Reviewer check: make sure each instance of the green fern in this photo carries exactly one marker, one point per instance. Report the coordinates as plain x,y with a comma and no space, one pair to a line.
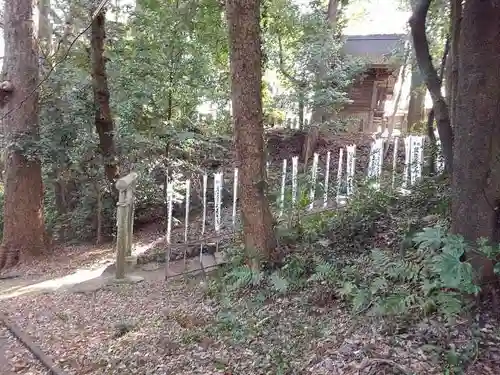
295,268
381,260
379,284
430,238
278,283
394,304
242,277
421,280
395,268
449,303
348,290
403,270
325,272
361,299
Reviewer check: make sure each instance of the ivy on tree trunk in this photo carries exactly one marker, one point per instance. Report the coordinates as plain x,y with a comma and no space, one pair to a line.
103,119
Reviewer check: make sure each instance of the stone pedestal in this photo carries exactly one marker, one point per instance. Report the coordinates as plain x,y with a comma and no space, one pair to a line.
128,279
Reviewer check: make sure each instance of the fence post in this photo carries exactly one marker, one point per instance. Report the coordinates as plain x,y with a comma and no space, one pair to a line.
124,221
130,199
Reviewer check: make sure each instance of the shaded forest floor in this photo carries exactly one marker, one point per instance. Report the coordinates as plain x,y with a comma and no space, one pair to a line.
185,327
296,321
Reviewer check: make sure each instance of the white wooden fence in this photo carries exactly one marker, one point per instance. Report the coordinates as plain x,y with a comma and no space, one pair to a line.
344,186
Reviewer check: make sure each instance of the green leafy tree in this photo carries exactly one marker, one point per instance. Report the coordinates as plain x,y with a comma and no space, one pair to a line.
307,54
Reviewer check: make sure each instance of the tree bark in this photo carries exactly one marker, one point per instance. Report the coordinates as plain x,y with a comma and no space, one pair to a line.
456,19
432,141
447,85
332,13
24,229
424,60
476,175
243,18
103,118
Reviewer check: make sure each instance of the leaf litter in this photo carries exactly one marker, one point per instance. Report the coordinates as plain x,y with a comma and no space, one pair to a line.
156,327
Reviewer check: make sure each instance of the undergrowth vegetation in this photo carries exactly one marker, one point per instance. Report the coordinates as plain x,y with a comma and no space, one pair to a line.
388,258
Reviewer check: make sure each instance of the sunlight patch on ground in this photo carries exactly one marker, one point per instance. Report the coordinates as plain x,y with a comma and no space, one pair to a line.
142,247
54,284
77,277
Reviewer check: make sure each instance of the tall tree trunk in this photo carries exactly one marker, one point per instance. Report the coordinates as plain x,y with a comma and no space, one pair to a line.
58,174
24,229
476,172
243,18
456,19
103,118
424,60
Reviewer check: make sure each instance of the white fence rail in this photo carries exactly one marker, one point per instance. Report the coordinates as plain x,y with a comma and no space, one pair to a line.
291,190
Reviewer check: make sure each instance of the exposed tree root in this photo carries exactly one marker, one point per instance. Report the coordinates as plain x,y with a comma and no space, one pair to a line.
8,258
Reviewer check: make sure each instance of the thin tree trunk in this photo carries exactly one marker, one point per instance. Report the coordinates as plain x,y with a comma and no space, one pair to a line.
424,60
246,76
24,229
432,141
447,86
59,172
332,13
398,97
476,175
320,110
430,118
103,118
44,28
417,97
301,111
300,86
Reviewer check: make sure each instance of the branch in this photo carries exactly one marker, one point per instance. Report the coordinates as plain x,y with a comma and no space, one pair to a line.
58,62
282,66
432,80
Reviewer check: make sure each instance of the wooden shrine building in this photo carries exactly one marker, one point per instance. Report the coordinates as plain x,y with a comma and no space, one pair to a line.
369,92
